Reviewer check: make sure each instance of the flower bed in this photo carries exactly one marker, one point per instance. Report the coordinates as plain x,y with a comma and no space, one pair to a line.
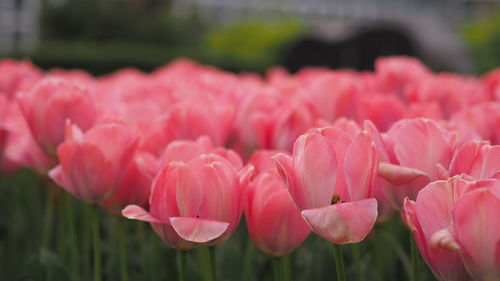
190,149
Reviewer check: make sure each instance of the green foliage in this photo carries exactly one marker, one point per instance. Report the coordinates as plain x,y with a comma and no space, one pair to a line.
383,254
251,41
484,39
148,21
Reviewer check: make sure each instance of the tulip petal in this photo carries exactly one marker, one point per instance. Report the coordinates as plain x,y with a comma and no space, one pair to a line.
361,167
198,230
343,223
477,232
137,213
315,167
477,159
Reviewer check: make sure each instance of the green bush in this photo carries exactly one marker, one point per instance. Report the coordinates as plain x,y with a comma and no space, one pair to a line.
484,39
254,42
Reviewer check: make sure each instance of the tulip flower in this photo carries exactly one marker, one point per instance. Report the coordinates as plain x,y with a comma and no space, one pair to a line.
135,187
331,178
197,117
49,104
283,231
479,122
94,164
419,152
460,218
17,76
193,203
263,162
476,232
430,213
3,127
185,150
21,150
477,159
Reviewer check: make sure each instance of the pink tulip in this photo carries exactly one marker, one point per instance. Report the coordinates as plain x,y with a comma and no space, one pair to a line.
192,118
195,203
452,92
477,159
332,95
20,149
473,231
429,214
135,187
274,221
382,110
49,104
419,151
399,75
3,126
93,165
262,161
476,232
492,81
185,150
253,120
331,178
479,122
17,76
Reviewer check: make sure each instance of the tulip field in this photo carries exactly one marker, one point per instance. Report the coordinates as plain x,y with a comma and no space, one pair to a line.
193,173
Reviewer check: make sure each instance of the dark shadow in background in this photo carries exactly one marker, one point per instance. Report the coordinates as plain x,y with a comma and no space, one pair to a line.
358,52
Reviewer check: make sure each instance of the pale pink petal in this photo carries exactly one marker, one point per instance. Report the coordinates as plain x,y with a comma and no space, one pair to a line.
315,169
137,213
477,231
421,144
189,192
400,182
198,230
477,159
284,164
343,223
361,166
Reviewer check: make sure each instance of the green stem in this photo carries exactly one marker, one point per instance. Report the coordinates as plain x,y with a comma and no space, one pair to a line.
97,244
48,219
70,219
213,263
287,267
181,263
414,259
339,262
356,252
155,252
87,229
247,260
122,248
204,263
277,269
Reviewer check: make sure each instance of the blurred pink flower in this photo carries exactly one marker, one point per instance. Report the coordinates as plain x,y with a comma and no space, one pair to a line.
49,104
94,164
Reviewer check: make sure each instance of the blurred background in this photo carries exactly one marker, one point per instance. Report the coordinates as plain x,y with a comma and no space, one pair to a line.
102,36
